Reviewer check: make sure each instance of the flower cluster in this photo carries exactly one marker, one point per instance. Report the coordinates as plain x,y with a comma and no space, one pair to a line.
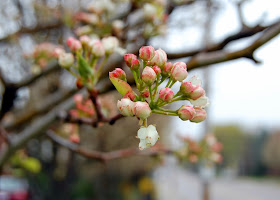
84,107
87,58
42,55
101,18
207,149
148,98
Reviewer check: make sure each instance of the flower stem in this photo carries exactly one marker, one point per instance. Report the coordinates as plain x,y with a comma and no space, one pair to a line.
164,113
99,70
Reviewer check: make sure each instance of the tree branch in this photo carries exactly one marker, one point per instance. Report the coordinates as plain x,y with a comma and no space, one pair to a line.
243,33
204,59
106,156
38,28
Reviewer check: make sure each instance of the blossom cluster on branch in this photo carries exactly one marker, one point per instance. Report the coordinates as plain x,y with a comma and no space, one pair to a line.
149,73
87,58
207,149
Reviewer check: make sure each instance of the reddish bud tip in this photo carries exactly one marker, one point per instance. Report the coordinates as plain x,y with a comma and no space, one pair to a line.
166,94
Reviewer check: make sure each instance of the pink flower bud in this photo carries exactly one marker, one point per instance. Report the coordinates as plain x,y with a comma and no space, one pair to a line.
179,71
142,110
146,52
192,91
126,107
66,60
159,58
148,75
128,58
74,44
135,64
200,115
130,95
75,138
145,94
157,69
57,52
78,98
85,40
97,48
186,112
167,69
118,73
166,94
197,93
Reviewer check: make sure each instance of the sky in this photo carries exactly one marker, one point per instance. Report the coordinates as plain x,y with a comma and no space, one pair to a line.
241,92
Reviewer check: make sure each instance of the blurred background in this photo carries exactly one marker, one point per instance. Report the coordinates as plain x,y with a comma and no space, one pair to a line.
243,115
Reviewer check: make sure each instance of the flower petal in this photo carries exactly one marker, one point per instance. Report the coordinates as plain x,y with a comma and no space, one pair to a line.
142,133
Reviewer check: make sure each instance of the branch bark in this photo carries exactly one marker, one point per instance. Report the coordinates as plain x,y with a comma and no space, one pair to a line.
204,59
105,156
243,33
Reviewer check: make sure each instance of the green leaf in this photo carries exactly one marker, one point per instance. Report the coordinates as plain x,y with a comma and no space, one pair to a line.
122,86
83,67
31,164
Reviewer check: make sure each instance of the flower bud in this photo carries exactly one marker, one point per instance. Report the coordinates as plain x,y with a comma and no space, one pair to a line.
66,60
126,107
148,75
192,91
118,73
57,51
197,93
145,94
85,40
78,98
159,58
150,11
166,94
146,52
110,44
179,71
148,137
167,69
79,83
200,115
128,58
75,138
97,48
157,69
142,110
118,26
135,64
130,95
186,112
74,44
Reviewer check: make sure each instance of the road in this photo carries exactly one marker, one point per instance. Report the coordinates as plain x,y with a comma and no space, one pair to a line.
176,183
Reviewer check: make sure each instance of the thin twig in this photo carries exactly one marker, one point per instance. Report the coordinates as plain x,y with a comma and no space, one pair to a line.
106,156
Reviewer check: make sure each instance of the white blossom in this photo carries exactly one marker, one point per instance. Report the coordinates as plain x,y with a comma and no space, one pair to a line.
148,136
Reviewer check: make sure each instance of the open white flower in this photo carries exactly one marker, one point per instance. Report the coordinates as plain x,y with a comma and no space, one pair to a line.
194,80
148,136
201,102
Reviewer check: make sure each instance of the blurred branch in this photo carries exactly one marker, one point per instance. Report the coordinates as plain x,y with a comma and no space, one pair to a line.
38,126
209,58
11,88
48,104
38,28
66,117
243,33
4,135
106,156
